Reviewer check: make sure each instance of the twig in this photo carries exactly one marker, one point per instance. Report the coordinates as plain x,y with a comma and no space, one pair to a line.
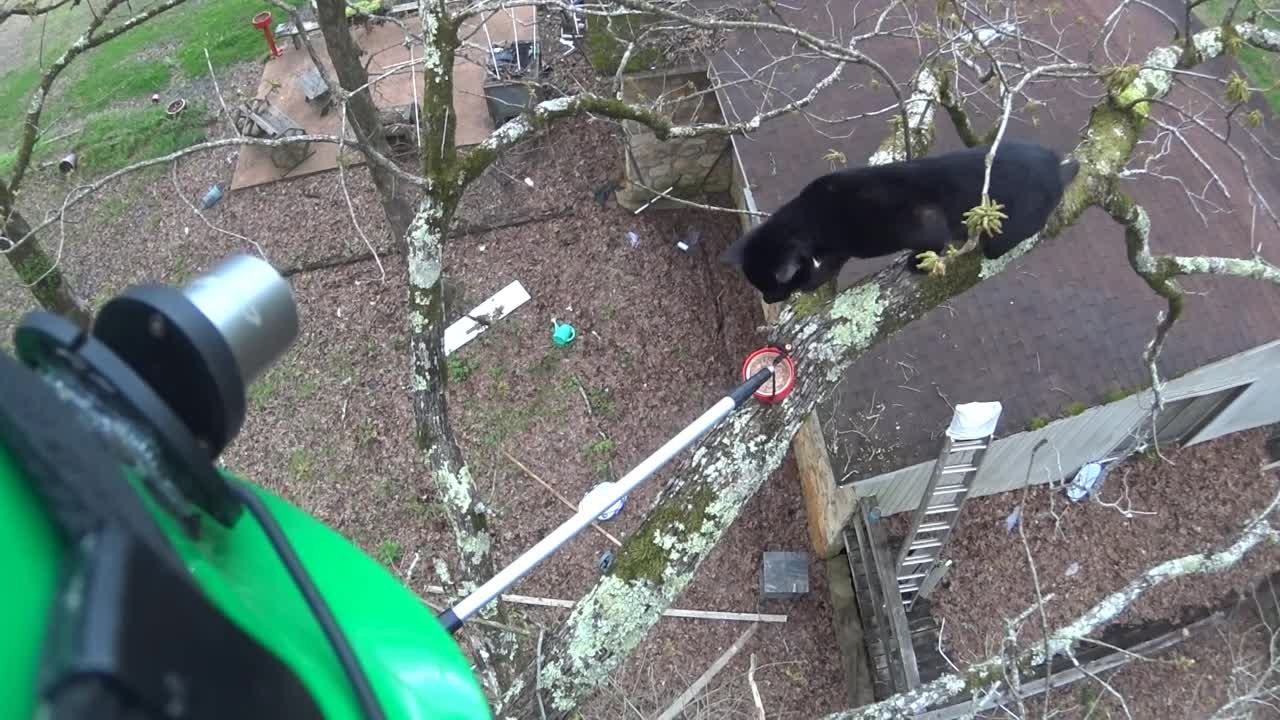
665,195
218,91
559,497
537,690
755,690
178,191
351,208
677,706
658,196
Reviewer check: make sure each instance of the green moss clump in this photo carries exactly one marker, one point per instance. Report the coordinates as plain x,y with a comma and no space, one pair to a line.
806,304
643,558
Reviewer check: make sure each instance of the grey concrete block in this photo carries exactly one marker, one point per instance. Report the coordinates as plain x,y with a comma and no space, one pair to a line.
784,575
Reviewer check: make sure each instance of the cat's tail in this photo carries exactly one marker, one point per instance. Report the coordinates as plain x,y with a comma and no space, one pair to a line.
1067,171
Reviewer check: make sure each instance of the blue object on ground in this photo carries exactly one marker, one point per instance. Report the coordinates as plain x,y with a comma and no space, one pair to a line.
211,198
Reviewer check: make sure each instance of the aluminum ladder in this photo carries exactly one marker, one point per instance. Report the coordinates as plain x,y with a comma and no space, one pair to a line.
963,450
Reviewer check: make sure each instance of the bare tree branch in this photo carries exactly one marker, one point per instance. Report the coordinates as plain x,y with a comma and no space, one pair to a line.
33,10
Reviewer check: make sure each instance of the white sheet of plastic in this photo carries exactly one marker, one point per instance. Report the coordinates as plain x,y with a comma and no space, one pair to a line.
495,308
1085,482
975,420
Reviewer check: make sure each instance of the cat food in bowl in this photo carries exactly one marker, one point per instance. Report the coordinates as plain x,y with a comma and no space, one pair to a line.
777,388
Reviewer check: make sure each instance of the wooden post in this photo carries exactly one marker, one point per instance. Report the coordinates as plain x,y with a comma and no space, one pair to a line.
859,689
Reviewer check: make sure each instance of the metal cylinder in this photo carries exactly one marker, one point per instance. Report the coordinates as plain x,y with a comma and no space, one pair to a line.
253,309
67,164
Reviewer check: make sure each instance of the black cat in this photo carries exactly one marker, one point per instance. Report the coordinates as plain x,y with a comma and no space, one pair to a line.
917,205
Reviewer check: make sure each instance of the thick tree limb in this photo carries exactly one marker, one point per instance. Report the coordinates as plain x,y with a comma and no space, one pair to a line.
352,90
438,451
35,268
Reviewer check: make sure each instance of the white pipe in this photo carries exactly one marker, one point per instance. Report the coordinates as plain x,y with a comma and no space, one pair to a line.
515,39
521,566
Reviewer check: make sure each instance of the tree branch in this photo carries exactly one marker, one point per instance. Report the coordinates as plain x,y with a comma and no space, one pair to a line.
31,11
959,118
1137,235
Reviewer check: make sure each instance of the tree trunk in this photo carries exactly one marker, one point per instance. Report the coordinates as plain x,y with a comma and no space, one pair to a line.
425,242
36,269
361,112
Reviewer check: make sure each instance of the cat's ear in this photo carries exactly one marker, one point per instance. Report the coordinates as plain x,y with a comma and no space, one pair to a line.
736,253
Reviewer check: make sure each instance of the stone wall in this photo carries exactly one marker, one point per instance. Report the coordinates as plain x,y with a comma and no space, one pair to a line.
694,166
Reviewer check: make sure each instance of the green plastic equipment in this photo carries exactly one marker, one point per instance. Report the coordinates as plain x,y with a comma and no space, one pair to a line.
145,583
83,441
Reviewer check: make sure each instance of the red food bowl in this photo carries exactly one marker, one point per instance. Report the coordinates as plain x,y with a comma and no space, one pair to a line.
784,378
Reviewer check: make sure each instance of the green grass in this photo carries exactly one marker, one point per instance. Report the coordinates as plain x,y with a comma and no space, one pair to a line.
1075,408
15,87
389,553
601,402
114,206
116,138
459,369
129,78
366,433
1262,68
261,392
145,60
599,454
301,465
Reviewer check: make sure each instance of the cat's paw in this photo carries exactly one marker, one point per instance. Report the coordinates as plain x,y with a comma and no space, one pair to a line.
931,263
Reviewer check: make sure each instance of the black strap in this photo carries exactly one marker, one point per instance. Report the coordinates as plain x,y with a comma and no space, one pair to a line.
75,474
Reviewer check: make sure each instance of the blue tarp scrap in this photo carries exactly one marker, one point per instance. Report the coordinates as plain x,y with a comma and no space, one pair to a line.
1087,482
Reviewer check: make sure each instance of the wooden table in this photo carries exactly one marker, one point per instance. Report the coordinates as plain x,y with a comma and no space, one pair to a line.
260,119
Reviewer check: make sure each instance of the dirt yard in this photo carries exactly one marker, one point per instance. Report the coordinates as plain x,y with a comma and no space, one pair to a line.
1197,501
661,336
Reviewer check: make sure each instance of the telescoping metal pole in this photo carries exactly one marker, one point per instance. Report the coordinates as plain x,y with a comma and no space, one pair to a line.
453,618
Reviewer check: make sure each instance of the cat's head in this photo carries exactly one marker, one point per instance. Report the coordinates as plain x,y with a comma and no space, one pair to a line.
775,260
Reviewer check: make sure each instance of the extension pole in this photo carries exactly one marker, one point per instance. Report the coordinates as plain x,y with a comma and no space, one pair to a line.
453,618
